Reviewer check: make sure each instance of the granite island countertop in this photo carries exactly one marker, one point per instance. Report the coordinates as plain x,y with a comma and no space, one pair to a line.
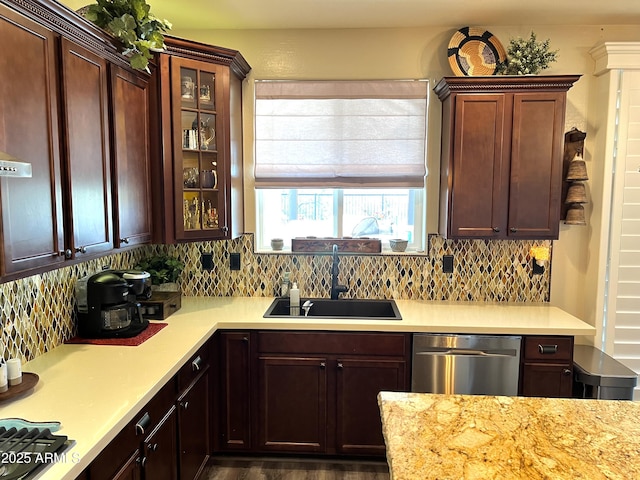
95,390
475,437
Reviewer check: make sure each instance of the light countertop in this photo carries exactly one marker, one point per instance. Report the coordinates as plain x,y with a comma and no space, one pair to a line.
466,437
95,390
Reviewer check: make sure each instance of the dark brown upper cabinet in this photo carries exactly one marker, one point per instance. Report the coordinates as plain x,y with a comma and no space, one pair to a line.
131,158
32,214
198,179
501,157
72,107
89,228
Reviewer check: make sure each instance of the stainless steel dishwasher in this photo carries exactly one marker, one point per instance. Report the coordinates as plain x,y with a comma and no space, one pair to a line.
466,364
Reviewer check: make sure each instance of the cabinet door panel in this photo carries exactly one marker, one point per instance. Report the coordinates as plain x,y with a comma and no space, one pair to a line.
194,434
32,219
479,167
292,404
359,428
89,182
131,169
160,459
547,380
200,149
536,165
235,391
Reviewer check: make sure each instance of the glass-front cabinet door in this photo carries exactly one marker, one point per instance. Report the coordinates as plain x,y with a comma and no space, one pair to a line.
200,156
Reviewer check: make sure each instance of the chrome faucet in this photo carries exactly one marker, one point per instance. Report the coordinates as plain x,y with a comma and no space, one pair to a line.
336,288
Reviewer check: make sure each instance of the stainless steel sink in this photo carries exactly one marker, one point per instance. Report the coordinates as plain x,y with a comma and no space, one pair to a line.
351,308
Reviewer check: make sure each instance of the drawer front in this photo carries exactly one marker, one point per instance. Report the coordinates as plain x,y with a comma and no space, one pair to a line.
339,343
194,367
548,348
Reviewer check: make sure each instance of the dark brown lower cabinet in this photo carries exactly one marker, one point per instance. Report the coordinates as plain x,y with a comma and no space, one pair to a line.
292,404
170,438
317,391
233,392
358,427
547,366
159,460
194,431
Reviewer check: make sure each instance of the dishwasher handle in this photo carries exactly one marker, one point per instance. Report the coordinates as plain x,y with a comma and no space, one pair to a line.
469,352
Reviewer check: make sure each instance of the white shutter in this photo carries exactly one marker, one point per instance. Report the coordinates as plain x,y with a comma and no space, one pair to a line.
624,291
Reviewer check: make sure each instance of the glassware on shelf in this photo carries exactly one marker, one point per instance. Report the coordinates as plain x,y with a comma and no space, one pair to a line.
190,177
191,214
187,88
209,179
207,135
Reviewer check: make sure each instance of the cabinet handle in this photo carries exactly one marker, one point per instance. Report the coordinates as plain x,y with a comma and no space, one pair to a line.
513,229
124,240
143,423
496,229
566,372
548,349
143,462
195,364
184,405
82,249
323,365
340,365
152,447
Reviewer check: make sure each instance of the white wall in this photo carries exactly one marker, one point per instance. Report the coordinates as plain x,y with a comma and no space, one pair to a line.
422,53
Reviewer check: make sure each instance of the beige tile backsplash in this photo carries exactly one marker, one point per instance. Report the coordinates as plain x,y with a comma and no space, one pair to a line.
38,312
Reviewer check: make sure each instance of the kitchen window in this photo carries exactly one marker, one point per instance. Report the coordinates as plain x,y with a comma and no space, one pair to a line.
340,158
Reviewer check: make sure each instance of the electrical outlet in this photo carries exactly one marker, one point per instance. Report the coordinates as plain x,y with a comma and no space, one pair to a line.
447,263
234,261
206,259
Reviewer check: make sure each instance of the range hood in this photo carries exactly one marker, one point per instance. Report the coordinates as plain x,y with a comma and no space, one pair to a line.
12,167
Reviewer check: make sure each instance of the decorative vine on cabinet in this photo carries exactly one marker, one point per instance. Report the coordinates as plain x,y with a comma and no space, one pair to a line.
198,186
501,159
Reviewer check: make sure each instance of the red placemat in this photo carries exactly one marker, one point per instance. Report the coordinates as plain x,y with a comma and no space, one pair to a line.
146,334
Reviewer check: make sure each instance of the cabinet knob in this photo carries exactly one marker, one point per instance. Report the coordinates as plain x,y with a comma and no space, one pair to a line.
245,339
566,372
496,229
225,229
66,253
513,229
82,249
340,365
323,365
124,240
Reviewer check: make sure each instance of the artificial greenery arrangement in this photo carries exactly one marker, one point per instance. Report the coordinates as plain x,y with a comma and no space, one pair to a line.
131,22
526,57
163,268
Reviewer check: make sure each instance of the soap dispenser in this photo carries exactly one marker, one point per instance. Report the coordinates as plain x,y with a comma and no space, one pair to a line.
294,301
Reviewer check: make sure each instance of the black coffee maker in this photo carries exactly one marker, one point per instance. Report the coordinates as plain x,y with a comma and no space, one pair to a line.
108,306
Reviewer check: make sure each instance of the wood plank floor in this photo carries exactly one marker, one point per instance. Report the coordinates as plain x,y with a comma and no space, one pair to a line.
232,468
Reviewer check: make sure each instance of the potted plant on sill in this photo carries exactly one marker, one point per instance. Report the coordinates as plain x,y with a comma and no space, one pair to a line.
139,32
164,270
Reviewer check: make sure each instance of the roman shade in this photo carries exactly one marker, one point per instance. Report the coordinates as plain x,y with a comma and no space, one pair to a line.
340,133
